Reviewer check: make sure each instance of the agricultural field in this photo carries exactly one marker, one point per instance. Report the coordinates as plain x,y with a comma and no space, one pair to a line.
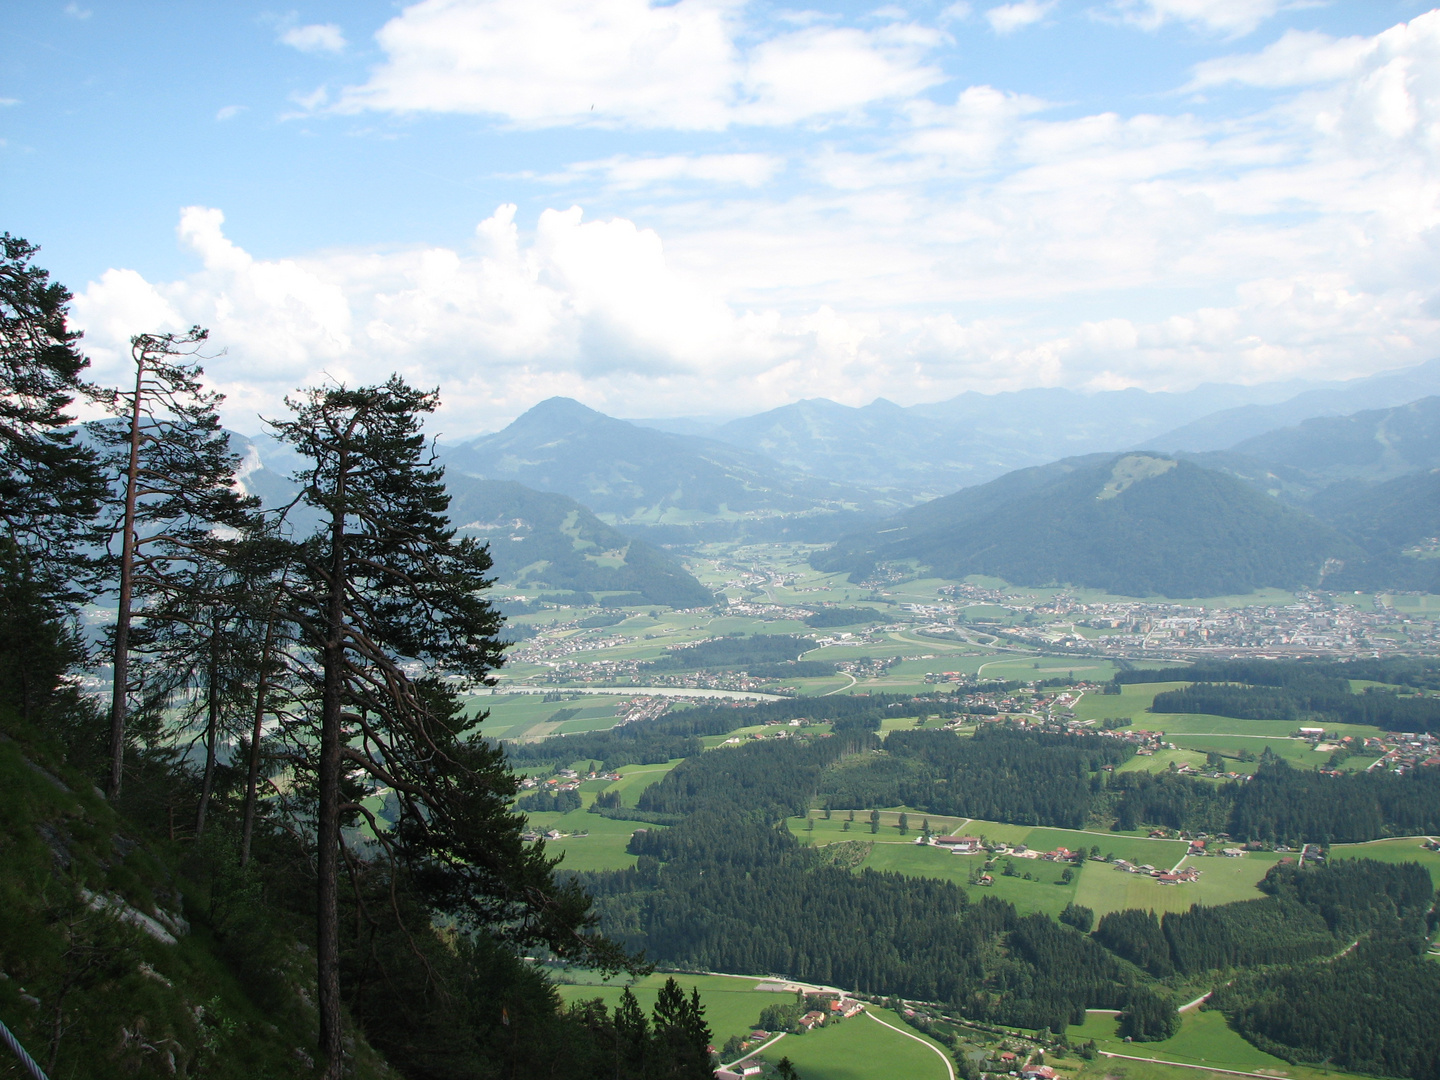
1400,849
530,716
1204,1039
1097,885
863,1048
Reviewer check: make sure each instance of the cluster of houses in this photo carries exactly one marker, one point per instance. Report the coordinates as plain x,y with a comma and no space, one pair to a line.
973,845
1182,876
565,780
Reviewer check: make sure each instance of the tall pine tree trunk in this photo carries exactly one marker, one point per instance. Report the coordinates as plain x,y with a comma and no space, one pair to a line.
252,779
212,724
120,690
327,931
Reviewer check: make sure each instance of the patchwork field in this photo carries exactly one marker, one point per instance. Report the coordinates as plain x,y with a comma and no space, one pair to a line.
1096,885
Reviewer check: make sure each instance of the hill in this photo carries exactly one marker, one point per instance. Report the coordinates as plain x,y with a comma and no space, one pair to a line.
540,538
1133,524
639,477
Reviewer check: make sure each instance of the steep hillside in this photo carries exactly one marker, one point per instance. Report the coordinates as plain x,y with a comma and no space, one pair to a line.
543,538
1133,524
640,477
121,957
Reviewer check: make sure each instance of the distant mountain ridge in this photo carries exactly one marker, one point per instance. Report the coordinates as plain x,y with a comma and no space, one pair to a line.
537,539
640,478
1224,429
1135,524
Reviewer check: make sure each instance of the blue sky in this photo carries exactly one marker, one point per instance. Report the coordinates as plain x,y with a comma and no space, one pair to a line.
714,207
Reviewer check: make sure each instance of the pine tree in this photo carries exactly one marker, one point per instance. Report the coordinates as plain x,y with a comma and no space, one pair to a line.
176,479
384,598
50,484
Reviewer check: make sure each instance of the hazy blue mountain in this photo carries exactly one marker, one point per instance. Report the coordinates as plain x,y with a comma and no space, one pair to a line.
1372,444
1136,524
935,448
540,538
881,445
537,539
1228,427
639,477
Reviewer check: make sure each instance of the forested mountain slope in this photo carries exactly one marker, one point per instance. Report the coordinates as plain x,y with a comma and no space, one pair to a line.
540,538
1133,524
637,477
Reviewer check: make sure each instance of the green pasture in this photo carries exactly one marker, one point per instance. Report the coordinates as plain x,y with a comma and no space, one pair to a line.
1137,849
1132,701
603,849
1097,885
862,1049
529,716
1105,889
1428,604
1044,893
1173,724
1162,759
1204,1038
732,1004
635,779
1402,849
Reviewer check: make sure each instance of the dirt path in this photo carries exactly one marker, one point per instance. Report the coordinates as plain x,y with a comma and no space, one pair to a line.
949,1068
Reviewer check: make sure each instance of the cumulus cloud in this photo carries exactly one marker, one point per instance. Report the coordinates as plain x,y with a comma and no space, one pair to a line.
1007,18
633,63
630,173
1299,58
985,242
314,38
1231,17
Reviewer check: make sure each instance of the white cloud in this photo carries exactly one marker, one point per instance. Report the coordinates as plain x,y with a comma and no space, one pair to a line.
1231,17
633,63
1007,18
979,243
229,112
75,11
7,101
1299,58
317,37
626,173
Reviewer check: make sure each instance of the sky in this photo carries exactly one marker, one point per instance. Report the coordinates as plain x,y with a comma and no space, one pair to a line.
713,207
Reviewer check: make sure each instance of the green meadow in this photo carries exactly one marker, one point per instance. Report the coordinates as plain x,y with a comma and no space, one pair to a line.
861,1048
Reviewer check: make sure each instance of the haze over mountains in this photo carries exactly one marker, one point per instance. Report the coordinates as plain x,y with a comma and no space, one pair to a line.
573,499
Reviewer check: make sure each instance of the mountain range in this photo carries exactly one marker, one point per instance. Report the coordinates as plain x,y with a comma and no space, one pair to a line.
573,499
667,485
933,449
1136,524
